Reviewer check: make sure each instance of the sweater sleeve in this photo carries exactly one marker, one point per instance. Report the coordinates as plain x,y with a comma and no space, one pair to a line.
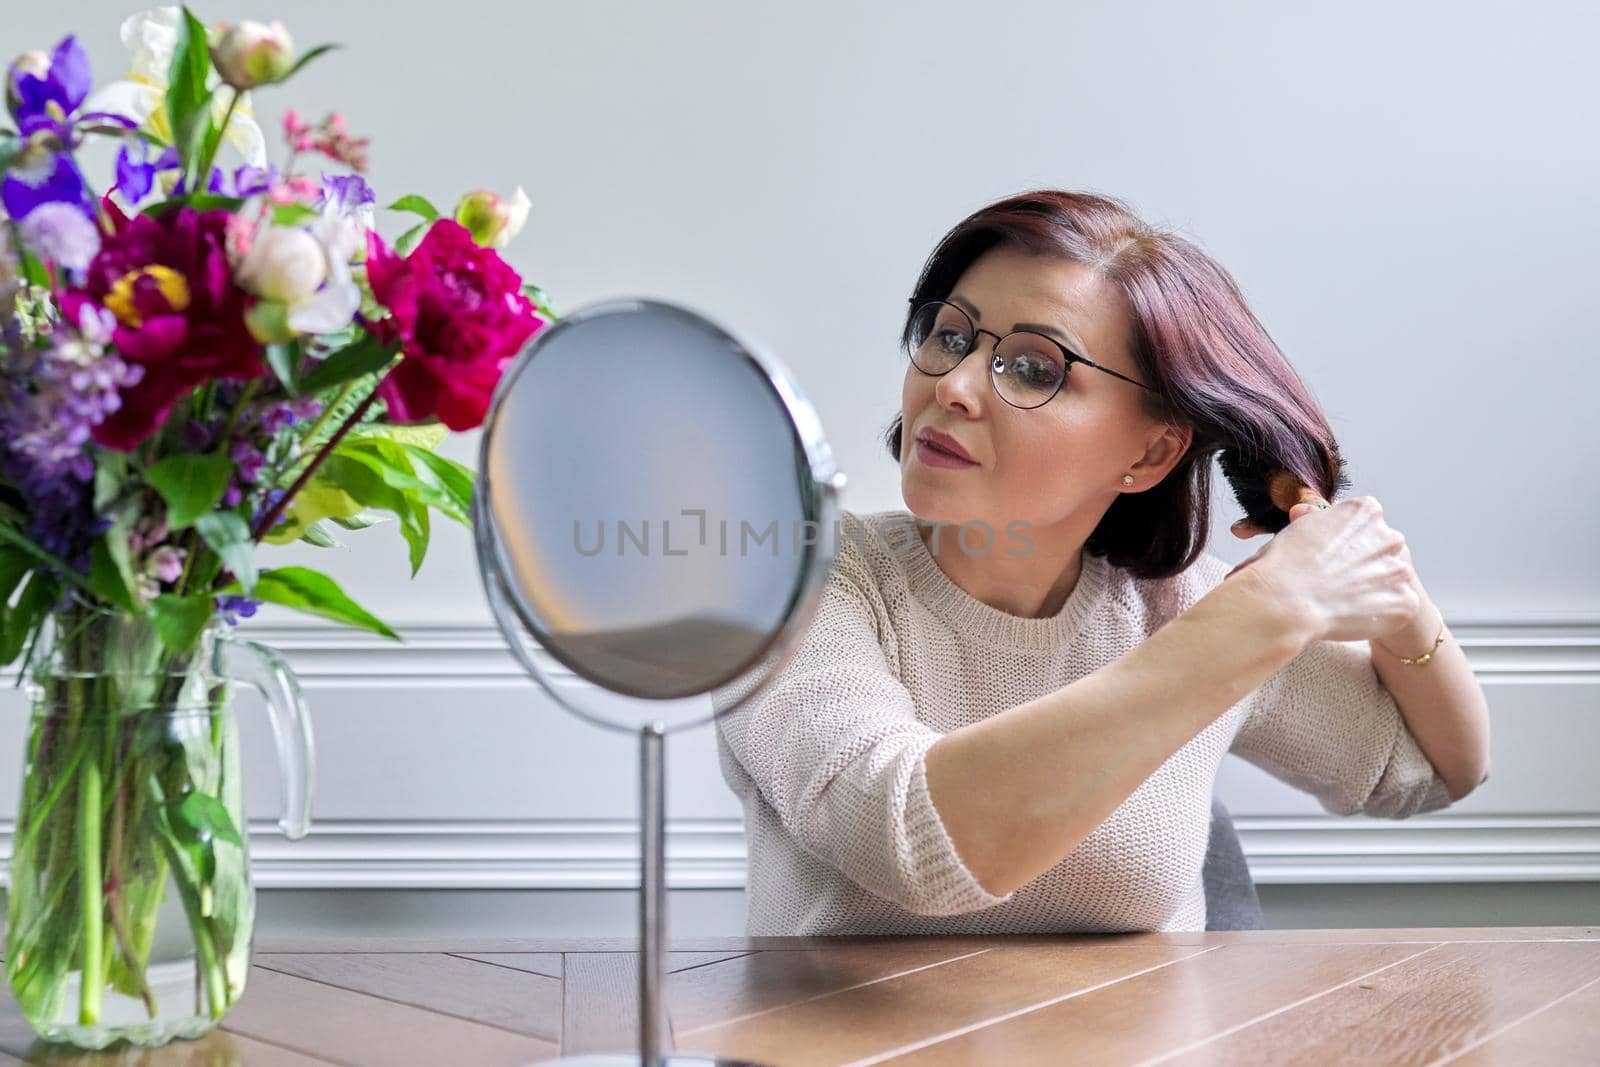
1326,724
833,744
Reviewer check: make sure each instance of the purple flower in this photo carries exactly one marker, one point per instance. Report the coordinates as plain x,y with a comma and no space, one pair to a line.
135,173
345,192
269,500
251,181
165,564
59,232
232,607
41,176
45,92
245,181
277,417
61,392
51,399
233,494
47,101
249,460
198,437
286,413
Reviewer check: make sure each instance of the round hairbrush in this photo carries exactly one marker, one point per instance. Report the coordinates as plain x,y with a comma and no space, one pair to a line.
1266,491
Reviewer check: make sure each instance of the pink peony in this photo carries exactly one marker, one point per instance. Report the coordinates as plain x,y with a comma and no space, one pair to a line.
460,316
179,314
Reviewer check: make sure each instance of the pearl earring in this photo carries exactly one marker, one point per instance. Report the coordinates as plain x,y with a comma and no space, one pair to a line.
1127,479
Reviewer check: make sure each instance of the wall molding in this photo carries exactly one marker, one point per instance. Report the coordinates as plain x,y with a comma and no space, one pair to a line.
485,853
1532,650
710,854
1535,651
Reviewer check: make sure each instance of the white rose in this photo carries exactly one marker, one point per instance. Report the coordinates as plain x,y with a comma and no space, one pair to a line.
284,263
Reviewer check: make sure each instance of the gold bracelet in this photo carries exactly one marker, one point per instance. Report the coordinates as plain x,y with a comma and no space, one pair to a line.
1422,660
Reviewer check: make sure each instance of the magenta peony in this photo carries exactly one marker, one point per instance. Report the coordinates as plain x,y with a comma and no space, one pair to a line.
179,314
460,315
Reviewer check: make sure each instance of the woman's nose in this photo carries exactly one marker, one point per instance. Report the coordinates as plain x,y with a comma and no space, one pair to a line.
968,381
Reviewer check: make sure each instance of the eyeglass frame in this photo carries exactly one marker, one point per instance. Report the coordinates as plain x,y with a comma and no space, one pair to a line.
1068,356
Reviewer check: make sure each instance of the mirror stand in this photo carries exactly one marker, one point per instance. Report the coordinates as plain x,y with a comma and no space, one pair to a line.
571,438
653,1027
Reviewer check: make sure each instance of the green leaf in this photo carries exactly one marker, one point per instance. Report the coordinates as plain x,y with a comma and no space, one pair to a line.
196,821
59,565
321,49
417,205
228,534
317,499
191,484
179,619
454,479
188,102
33,270
113,558
540,302
411,238
317,534
10,147
391,461
359,521
304,589
417,531
284,359
19,620
204,816
110,478
14,566
363,357
198,201
423,434
364,482
109,581
293,214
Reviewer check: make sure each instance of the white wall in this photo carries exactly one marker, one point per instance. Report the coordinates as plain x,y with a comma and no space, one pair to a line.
1408,194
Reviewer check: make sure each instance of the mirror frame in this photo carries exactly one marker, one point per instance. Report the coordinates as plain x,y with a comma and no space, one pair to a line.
822,482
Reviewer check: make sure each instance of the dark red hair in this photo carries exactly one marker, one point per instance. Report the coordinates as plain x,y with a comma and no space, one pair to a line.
1195,342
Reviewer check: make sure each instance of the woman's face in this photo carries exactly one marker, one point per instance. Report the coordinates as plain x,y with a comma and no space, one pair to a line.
1058,466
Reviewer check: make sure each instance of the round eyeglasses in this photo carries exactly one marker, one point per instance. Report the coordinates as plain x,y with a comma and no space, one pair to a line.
1027,368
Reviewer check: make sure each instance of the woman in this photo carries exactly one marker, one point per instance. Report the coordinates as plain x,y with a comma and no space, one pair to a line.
1009,709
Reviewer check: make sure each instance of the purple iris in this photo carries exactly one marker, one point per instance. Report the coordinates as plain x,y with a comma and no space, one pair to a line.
48,102
41,176
136,174
346,192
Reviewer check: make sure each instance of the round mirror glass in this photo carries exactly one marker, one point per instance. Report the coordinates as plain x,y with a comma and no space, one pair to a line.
656,512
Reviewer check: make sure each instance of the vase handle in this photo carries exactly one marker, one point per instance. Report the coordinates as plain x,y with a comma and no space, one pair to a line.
265,670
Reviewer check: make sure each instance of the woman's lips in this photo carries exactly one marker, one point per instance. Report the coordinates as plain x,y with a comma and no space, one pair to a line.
936,457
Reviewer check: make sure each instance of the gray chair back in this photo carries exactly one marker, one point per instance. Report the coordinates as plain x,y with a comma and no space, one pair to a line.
1231,901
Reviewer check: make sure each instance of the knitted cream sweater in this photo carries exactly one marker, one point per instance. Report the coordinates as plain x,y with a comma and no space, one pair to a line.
828,760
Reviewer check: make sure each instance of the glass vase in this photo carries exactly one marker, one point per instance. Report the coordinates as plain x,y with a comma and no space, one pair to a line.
131,912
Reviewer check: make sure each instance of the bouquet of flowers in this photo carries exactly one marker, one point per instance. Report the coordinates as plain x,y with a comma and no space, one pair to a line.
207,356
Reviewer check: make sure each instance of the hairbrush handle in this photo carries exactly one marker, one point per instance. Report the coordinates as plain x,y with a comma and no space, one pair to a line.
1286,491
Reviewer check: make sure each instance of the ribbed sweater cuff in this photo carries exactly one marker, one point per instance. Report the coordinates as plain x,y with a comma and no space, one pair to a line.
949,886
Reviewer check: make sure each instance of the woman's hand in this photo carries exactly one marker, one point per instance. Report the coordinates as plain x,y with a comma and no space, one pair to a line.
1348,571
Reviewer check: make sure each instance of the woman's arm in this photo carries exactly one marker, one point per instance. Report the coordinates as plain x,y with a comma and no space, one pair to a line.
1021,789
1441,701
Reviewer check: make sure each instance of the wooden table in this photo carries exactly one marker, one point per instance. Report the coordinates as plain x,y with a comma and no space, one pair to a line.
1458,995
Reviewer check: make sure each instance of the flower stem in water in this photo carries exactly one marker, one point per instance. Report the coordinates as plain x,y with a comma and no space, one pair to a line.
89,892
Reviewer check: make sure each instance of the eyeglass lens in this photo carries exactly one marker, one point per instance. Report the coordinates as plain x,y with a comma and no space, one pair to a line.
1027,368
